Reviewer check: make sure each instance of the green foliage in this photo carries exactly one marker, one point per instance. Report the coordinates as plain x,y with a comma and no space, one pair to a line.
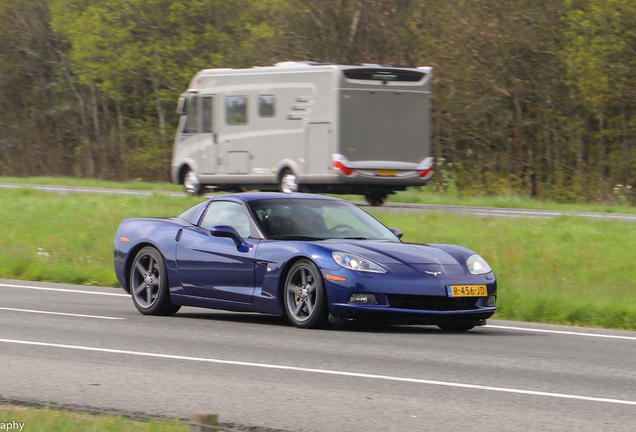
534,97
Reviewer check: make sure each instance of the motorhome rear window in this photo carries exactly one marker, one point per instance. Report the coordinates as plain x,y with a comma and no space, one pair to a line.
383,74
266,105
236,110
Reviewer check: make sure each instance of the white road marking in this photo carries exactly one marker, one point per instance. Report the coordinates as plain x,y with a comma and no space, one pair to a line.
64,290
561,332
60,313
326,372
486,326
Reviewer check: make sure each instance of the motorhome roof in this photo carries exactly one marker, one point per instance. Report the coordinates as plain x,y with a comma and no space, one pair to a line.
304,65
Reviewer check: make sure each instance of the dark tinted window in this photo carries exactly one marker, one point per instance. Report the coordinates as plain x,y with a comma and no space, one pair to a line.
320,219
384,74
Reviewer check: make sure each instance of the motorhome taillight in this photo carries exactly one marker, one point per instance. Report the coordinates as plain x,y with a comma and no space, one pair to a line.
426,173
342,167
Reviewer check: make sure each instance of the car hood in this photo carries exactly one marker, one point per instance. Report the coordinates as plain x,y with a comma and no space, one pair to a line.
388,252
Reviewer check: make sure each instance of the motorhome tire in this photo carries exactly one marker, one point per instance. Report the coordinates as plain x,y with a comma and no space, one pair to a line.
288,182
376,199
192,184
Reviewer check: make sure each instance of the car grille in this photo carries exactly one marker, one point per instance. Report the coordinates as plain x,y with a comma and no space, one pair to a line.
431,302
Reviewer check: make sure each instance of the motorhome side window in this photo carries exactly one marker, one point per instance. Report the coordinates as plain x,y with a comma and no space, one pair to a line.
192,115
208,114
266,105
236,110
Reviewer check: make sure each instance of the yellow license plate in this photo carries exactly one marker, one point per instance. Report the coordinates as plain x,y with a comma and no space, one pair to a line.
467,291
386,172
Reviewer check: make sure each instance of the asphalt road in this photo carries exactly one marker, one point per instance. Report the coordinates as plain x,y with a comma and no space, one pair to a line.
88,346
391,207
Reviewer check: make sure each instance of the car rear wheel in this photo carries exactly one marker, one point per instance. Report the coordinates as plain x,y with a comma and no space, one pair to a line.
149,284
305,296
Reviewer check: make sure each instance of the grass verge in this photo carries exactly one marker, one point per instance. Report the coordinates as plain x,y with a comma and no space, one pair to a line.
81,182
69,238
411,195
46,420
567,270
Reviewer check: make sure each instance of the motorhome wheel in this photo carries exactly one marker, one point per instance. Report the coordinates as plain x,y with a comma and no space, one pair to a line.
288,182
376,199
192,184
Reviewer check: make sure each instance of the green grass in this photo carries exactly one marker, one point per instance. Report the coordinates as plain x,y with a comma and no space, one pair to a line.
71,181
567,270
412,195
69,238
427,196
46,420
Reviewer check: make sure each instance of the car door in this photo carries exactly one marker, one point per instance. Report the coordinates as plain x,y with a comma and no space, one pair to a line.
215,267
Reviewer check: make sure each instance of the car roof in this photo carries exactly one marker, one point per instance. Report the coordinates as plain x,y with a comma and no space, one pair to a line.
253,196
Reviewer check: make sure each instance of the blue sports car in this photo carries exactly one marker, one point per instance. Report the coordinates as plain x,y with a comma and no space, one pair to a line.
305,256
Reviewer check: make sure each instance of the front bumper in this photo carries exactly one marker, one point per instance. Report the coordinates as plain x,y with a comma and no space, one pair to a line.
410,298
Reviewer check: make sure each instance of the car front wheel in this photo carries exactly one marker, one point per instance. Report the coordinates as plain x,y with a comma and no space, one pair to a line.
305,296
149,284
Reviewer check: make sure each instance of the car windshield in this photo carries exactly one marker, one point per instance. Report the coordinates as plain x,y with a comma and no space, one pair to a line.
316,219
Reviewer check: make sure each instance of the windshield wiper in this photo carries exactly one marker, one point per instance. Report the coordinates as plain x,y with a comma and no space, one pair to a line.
296,237
355,238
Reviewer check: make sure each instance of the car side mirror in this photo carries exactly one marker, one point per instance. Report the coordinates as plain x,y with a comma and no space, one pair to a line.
397,232
229,232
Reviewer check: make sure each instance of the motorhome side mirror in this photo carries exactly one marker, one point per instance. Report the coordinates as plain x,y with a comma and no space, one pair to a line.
397,232
229,232
181,106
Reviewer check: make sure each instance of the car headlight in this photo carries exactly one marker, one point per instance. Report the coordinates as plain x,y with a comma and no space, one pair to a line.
355,262
477,265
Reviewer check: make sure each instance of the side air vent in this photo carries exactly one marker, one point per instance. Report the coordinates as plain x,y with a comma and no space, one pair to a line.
384,74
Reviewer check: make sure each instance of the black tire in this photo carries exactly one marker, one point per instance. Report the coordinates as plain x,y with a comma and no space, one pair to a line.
305,296
149,285
456,327
376,199
287,181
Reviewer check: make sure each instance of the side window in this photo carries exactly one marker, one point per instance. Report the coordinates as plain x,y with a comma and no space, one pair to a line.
192,115
227,213
208,113
267,105
236,110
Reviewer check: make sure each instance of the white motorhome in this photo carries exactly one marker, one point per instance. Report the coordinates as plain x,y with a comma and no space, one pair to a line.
301,126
